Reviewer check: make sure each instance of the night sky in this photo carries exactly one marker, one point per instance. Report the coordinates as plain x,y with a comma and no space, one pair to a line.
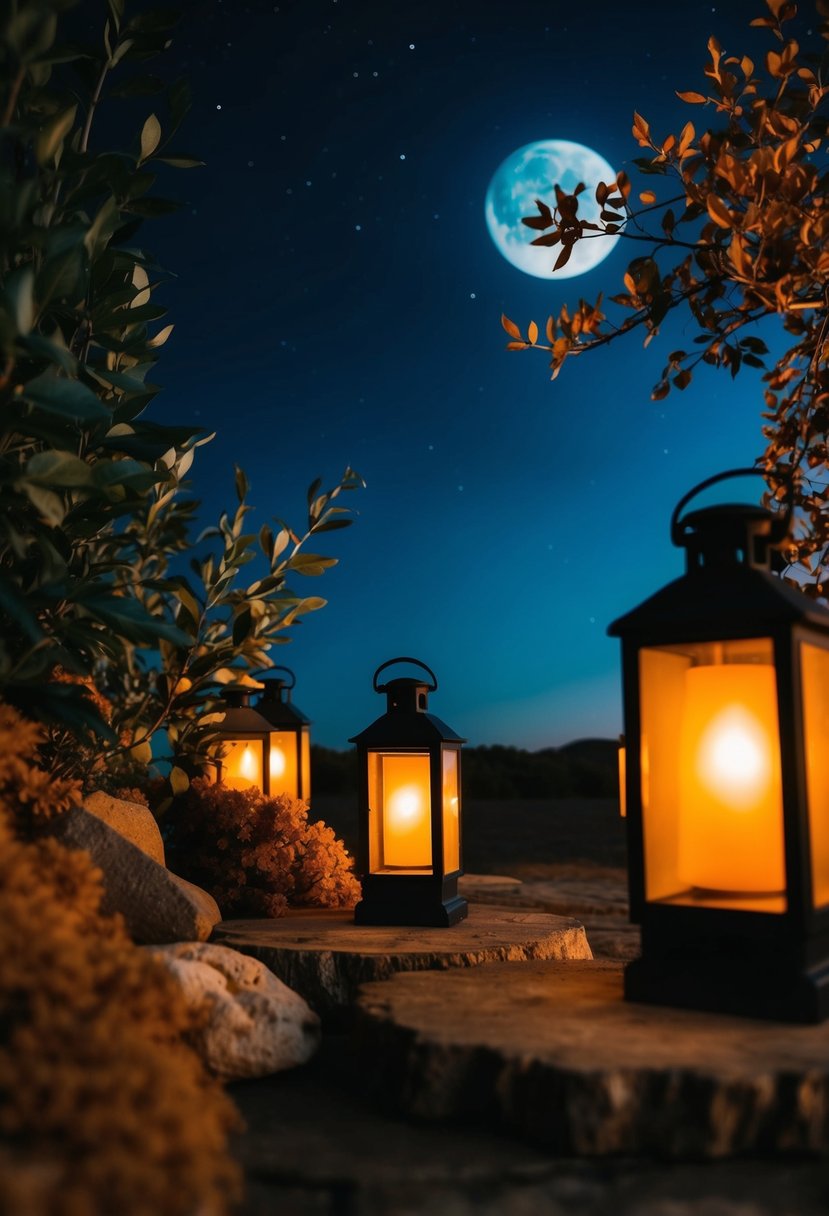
338,301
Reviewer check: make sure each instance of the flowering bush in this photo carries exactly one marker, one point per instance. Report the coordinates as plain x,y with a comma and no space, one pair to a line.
104,1107
256,855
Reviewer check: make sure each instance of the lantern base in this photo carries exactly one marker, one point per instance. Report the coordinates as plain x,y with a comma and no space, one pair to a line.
731,985
425,913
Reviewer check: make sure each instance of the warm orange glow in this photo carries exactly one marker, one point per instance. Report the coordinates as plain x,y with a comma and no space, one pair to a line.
815,662
401,806
730,800
623,803
282,768
451,813
242,765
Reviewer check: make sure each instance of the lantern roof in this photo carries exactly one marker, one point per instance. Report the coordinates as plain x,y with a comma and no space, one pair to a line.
732,599
240,718
276,706
406,728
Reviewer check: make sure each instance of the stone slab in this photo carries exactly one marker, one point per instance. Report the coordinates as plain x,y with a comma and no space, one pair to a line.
313,1145
552,1052
325,957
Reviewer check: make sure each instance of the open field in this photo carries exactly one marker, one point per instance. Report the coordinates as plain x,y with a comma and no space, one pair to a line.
513,837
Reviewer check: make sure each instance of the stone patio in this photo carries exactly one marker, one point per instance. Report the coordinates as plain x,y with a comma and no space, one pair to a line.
319,1143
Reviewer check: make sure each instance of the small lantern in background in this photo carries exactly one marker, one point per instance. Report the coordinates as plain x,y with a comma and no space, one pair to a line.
290,744
410,810
726,705
246,742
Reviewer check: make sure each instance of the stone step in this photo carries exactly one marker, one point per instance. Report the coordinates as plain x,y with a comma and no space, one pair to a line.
325,957
552,1052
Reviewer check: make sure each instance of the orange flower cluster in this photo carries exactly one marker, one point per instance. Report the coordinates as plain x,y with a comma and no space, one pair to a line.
104,1107
27,793
257,856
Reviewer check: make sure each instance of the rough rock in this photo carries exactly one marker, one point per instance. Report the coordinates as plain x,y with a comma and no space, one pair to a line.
157,905
551,1051
251,1024
314,1145
326,957
131,820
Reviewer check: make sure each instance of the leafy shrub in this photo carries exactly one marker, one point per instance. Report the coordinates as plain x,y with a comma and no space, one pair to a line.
104,1107
96,516
258,856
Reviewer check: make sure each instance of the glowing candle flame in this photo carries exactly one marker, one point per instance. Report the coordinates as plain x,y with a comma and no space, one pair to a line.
405,807
733,757
247,764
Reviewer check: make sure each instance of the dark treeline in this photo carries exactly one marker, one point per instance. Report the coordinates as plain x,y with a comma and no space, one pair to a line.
586,768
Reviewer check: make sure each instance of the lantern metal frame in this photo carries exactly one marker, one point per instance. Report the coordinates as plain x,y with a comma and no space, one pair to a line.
277,708
242,723
407,728
772,964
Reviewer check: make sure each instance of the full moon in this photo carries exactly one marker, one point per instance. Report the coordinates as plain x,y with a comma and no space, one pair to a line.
532,172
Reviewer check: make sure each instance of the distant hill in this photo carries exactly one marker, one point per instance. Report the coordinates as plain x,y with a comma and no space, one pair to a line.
585,768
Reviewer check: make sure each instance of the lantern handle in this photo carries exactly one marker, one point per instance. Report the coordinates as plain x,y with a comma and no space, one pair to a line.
286,669
264,672
780,523
404,659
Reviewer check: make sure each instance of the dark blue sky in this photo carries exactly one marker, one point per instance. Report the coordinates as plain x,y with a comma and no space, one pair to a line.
338,302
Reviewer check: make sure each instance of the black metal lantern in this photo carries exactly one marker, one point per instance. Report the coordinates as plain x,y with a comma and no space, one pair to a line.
290,744
410,810
726,705
246,744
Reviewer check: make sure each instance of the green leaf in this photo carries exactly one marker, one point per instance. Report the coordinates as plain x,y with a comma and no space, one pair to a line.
63,705
241,626
311,563
51,136
179,781
132,620
45,348
181,162
59,469
102,228
19,609
61,277
150,137
116,10
331,525
18,293
50,505
66,398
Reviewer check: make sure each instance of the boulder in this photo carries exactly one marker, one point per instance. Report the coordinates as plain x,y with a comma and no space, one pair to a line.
157,905
250,1024
133,821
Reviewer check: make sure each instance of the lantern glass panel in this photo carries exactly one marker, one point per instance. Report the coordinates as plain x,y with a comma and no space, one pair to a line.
400,805
242,764
712,802
283,774
815,669
305,765
451,810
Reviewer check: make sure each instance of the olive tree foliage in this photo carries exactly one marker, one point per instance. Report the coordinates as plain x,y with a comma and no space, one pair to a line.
112,624
735,229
